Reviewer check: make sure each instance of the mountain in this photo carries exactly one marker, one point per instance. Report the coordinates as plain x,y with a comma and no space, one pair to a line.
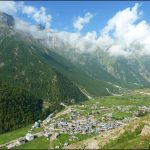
6,20
130,72
37,66
21,65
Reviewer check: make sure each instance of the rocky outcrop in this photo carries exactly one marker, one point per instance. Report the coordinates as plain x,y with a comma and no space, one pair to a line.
145,131
6,20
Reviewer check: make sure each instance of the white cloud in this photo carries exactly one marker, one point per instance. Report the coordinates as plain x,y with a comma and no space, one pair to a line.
125,34
8,7
38,15
29,10
79,22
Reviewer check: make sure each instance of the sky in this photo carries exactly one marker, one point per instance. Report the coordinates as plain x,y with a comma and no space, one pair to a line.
64,12
118,27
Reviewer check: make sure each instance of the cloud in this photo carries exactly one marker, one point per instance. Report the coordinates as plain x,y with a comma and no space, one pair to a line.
38,15
8,7
79,22
29,10
125,34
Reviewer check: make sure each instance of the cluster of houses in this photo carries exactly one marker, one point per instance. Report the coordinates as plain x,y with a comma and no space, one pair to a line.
75,123
80,124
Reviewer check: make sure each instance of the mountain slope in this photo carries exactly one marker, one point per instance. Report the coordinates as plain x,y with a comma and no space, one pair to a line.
132,71
95,87
21,66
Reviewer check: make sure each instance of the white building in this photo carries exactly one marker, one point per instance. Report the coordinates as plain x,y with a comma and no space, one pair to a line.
36,125
29,137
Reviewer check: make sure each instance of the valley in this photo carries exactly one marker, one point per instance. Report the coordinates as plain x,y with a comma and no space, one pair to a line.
96,123
74,79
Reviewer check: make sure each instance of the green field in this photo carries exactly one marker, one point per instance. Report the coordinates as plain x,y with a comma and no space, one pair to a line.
120,115
64,138
130,99
38,143
6,137
101,106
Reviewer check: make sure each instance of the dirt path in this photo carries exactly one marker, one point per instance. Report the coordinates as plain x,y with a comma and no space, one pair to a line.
92,144
145,93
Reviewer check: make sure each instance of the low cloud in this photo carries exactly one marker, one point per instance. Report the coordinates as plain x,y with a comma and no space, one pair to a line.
8,7
128,34
79,22
125,34
38,15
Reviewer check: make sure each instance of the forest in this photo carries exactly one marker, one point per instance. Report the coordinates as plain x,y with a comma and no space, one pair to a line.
18,107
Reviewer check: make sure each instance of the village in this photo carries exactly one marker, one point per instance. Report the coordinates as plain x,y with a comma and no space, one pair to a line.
81,119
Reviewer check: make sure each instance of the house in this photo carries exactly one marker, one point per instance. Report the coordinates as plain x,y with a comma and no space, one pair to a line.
46,134
21,141
36,125
29,137
63,123
11,145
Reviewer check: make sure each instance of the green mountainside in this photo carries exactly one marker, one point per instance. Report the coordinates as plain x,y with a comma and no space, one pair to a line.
126,72
20,65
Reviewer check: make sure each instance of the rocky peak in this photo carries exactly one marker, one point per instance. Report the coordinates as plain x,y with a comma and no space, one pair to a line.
6,20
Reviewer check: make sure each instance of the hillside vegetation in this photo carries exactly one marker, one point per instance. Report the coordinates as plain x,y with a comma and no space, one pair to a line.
18,108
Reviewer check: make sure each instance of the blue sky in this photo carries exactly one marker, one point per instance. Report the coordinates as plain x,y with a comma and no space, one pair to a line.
63,13
115,26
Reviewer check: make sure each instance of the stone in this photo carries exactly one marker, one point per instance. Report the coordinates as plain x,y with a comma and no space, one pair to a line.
146,130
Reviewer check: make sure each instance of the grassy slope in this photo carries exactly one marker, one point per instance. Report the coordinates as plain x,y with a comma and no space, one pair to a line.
131,139
30,71
127,139
94,86
38,143
6,137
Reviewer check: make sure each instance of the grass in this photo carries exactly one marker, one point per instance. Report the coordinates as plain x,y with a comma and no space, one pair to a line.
6,137
38,143
129,140
64,138
3,147
61,140
82,137
37,130
120,115
131,99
